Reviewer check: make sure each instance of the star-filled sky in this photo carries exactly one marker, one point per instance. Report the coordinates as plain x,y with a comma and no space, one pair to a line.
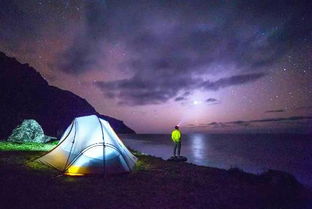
208,65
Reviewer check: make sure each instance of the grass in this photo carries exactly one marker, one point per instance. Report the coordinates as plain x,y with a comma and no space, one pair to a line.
154,183
9,146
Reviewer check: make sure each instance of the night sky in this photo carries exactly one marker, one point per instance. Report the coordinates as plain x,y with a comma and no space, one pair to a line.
210,66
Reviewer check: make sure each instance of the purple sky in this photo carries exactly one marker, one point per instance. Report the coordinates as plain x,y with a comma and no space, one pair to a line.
212,66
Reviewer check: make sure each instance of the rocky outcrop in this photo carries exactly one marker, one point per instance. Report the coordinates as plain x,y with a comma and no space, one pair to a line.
24,94
28,131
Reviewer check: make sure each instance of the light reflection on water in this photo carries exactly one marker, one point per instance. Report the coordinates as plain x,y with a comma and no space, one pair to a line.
250,152
197,147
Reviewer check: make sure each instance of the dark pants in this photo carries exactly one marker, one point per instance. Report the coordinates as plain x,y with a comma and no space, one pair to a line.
177,145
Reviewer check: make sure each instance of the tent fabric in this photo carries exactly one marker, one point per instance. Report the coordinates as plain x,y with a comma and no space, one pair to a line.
90,146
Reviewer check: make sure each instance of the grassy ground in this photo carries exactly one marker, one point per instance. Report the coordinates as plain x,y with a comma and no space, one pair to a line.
8,146
155,183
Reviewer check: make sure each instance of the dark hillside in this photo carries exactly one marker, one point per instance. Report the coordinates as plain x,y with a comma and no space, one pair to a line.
24,94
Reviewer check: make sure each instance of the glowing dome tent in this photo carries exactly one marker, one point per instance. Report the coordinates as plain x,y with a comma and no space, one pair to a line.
90,146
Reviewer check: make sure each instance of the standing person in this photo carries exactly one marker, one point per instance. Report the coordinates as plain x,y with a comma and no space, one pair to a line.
176,138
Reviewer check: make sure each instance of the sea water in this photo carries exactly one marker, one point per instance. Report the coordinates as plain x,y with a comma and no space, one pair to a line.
253,153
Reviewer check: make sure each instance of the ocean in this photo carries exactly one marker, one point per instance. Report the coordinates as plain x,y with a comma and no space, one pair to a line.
254,153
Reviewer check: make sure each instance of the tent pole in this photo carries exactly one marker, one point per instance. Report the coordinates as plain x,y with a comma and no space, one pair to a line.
65,167
103,144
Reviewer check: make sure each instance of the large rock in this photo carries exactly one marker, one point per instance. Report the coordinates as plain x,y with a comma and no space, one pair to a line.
28,131
25,94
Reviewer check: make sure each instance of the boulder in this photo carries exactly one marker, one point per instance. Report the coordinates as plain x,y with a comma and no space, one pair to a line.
28,131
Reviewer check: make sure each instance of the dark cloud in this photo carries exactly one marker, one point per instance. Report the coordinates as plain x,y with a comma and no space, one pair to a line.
78,58
293,118
295,121
283,110
212,124
295,124
275,111
239,123
177,99
217,125
143,91
212,101
140,90
232,81
250,122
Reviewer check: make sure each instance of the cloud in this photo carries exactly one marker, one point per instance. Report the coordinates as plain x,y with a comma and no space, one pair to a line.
217,125
275,111
294,124
212,124
246,34
145,90
177,99
211,100
239,123
173,36
293,118
246,123
232,81
168,49
295,108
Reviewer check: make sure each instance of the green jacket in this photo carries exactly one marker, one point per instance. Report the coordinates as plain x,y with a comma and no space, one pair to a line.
176,136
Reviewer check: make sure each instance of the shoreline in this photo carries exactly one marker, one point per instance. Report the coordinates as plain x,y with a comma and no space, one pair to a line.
253,154
155,183
235,168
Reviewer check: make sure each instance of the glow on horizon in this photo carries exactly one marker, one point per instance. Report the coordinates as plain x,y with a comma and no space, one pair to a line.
196,102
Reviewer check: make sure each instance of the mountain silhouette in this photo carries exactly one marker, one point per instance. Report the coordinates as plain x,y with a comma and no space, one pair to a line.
25,94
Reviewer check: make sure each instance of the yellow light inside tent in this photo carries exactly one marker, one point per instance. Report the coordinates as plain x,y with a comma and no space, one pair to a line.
74,171
74,174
